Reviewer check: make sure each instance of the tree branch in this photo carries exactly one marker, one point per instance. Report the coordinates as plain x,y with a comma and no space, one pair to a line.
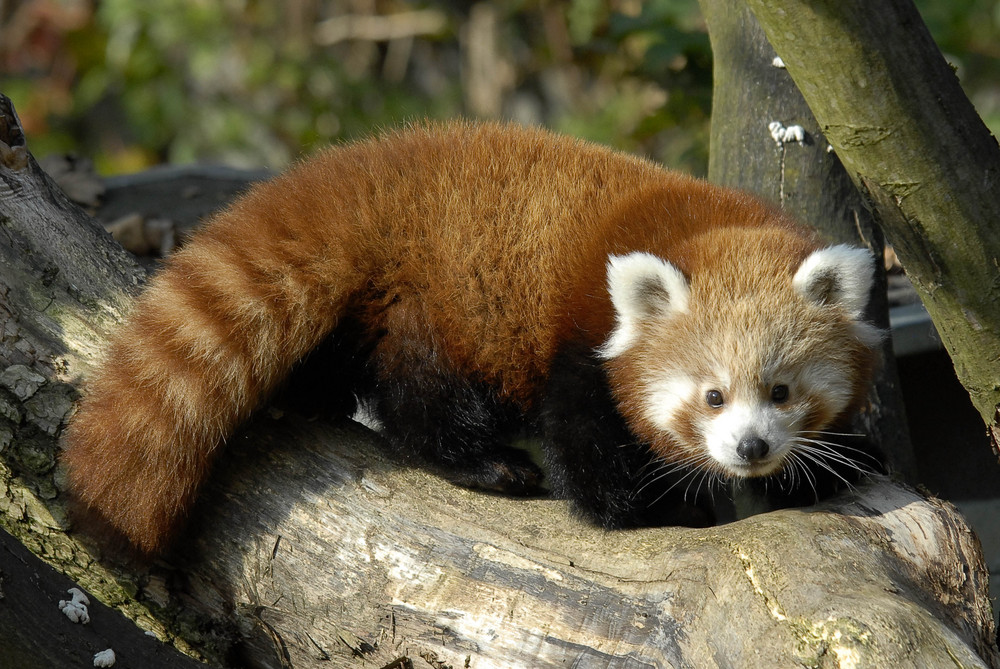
895,113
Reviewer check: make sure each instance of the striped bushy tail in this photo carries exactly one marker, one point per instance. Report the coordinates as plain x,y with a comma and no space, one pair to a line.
213,333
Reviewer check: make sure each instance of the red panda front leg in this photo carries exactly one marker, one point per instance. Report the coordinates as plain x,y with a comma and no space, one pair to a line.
596,462
457,426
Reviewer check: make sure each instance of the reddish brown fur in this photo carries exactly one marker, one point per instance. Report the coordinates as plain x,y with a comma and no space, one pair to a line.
492,240
745,317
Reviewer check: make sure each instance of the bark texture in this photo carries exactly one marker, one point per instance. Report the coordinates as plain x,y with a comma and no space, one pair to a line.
63,283
311,547
369,560
893,110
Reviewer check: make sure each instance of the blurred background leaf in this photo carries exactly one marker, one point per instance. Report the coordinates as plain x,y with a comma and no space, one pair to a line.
255,83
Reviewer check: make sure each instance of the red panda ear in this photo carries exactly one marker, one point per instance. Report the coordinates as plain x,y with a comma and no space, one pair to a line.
841,275
641,286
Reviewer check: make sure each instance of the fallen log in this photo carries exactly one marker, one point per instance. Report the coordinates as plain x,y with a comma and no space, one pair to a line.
339,553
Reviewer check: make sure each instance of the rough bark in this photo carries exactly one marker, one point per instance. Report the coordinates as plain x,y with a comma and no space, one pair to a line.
35,634
63,283
370,559
311,547
750,93
893,110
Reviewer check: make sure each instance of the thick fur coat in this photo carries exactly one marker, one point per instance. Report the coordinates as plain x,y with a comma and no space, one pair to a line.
475,279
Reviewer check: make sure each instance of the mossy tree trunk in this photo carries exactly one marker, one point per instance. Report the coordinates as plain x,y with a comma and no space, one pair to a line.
893,110
63,284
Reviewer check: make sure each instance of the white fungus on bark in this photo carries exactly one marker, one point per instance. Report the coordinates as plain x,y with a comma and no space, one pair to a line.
786,135
76,608
106,658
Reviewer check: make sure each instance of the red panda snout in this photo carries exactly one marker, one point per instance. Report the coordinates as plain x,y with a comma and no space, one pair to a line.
752,449
751,439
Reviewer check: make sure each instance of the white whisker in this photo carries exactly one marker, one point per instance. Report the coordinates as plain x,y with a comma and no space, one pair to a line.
666,469
700,468
819,461
831,455
839,447
838,434
798,463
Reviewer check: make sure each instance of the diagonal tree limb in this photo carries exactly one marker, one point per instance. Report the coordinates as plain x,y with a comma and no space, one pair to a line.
893,110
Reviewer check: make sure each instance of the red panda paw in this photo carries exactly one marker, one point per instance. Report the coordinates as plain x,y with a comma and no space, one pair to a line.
509,470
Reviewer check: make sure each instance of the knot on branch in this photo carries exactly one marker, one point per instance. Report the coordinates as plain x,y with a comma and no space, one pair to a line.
13,146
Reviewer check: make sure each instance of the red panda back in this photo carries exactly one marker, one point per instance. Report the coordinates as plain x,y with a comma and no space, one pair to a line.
472,220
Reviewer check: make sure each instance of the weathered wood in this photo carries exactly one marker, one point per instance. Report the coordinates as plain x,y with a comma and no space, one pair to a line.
313,548
56,264
893,109
345,555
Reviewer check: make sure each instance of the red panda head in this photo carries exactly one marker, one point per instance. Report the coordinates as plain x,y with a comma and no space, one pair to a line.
734,365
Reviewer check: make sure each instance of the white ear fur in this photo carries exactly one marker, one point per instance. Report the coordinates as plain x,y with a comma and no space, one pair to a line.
641,285
841,275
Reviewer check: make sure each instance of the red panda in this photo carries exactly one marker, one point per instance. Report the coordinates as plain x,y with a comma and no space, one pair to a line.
476,279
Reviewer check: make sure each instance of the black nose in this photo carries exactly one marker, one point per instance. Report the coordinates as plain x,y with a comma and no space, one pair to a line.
752,448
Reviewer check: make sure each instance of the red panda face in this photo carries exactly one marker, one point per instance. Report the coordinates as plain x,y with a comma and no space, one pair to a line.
735,374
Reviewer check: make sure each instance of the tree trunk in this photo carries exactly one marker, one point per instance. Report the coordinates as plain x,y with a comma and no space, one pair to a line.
893,110
63,283
750,94
311,547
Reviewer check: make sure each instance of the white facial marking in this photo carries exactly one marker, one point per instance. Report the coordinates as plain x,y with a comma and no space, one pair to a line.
736,421
841,275
828,382
665,397
868,334
641,286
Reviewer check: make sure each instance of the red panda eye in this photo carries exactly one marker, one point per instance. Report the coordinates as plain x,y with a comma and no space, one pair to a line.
714,398
779,394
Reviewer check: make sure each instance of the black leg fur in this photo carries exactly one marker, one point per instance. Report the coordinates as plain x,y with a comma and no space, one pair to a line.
593,458
458,427
329,380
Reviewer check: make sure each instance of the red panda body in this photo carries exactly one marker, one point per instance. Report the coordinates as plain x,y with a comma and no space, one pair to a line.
487,276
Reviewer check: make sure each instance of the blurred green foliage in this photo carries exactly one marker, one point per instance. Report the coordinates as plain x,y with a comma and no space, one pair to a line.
258,82
968,33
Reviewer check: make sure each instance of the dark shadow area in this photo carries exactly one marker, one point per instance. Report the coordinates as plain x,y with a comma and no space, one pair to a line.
30,592
949,439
